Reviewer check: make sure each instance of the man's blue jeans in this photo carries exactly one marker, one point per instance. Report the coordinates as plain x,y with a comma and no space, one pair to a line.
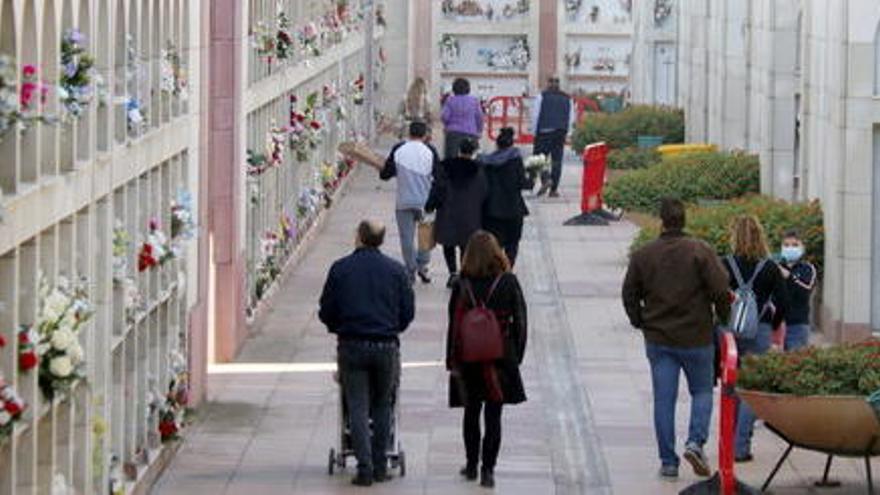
699,369
745,417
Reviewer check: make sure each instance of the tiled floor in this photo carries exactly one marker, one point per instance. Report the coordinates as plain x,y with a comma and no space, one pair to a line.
586,428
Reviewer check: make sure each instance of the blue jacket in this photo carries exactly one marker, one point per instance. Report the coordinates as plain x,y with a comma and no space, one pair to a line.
367,296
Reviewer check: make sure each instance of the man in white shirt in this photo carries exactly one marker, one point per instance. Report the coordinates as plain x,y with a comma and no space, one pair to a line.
412,162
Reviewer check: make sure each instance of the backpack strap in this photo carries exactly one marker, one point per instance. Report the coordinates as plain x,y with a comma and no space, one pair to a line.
493,287
466,286
468,291
734,267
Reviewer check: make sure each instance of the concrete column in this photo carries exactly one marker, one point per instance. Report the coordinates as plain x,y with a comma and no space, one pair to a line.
548,45
225,156
421,41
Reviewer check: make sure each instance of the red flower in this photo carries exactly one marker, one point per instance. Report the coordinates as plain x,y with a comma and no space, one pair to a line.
167,428
23,338
145,258
13,408
315,125
29,71
2,341
300,117
28,360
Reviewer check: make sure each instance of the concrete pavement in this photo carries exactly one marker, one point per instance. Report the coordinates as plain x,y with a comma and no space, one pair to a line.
586,428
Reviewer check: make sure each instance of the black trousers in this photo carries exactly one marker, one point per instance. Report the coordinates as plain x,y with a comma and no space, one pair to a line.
492,439
508,231
552,143
452,254
369,372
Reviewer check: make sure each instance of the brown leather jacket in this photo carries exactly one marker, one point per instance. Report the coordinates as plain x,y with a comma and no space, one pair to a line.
672,287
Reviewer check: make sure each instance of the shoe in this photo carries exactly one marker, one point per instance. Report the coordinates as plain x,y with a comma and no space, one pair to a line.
693,453
469,473
553,194
669,472
423,275
362,480
740,459
487,478
545,186
453,278
381,476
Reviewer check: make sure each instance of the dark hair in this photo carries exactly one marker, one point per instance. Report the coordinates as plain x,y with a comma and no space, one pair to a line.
467,147
418,129
791,234
461,86
672,213
484,257
505,137
371,234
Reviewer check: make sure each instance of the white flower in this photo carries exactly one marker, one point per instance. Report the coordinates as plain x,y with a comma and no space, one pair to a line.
54,306
61,366
5,418
43,348
7,394
63,339
75,353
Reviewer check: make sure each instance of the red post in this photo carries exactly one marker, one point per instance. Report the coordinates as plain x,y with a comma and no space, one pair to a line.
729,359
595,162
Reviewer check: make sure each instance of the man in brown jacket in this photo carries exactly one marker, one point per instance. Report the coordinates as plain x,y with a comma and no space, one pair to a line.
674,289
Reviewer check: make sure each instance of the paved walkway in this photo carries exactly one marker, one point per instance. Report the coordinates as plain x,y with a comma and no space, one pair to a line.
586,428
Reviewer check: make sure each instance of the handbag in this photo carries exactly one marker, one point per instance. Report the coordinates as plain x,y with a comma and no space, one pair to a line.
427,242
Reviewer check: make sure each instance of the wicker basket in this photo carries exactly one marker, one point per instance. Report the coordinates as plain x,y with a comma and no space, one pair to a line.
361,152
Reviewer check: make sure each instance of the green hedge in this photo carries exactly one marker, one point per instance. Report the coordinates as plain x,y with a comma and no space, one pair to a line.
632,158
621,129
711,223
690,177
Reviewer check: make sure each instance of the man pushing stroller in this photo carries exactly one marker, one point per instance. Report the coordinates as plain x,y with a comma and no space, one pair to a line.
367,301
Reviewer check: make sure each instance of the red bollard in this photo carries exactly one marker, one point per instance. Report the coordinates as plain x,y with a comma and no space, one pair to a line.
729,358
593,181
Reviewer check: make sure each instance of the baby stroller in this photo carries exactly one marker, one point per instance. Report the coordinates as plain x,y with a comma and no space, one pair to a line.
344,449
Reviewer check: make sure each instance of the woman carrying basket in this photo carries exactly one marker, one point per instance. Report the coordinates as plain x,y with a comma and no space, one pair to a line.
485,344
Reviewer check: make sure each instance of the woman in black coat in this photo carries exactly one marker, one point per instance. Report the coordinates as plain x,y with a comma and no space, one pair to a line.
457,194
505,208
485,275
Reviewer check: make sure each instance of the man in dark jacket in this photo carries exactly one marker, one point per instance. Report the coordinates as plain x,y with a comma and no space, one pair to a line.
671,288
367,301
552,116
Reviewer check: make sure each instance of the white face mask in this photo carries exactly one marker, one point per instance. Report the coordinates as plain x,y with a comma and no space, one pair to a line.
792,254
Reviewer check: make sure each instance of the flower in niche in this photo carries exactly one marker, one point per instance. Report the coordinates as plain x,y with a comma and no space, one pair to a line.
12,406
77,67
58,349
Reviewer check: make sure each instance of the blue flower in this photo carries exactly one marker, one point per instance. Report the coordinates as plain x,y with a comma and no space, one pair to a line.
70,69
74,36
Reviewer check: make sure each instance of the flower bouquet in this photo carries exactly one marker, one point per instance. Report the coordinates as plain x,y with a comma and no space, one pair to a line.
135,116
283,40
63,310
173,78
76,74
11,408
358,86
183,224
269,265
305,129
256,163
132,301
537,164
309,38
263,40
156,250
120,252
20,107
28,348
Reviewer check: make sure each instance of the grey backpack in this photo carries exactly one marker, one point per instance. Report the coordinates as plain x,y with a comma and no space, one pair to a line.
745,315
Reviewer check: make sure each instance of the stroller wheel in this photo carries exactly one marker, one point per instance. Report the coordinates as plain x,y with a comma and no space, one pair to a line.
331,464
401,461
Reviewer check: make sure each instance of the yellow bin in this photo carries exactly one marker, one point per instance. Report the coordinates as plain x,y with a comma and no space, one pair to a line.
678,149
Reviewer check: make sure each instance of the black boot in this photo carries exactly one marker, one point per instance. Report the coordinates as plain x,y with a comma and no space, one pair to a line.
487,478
469,472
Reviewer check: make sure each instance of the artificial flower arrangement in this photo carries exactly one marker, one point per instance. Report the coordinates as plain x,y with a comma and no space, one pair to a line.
176,399
11,408
132,301
135,115
332,28
287,228
308,203
332,100
183,223
263,41
283,40
20,107
268,265
63,310
156,250
516,56
28,348
358,88
275,140
76,74
473,8
121,243
256,163
662,10
572,7
450,50
328,176
134,104
173,77
309,39
304,134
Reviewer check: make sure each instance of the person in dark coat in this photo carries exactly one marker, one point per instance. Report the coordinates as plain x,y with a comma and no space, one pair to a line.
505,208
486,271
457,195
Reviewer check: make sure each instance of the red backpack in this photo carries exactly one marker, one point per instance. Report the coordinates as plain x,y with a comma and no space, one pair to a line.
480,339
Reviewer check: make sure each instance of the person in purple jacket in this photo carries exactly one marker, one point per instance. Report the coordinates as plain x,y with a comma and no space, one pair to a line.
462,117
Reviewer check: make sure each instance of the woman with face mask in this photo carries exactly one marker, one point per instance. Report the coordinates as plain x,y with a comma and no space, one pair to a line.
800,278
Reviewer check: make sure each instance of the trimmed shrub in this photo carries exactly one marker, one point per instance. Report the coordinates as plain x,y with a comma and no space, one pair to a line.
632,158
711,224
689,177
843,370
621,129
